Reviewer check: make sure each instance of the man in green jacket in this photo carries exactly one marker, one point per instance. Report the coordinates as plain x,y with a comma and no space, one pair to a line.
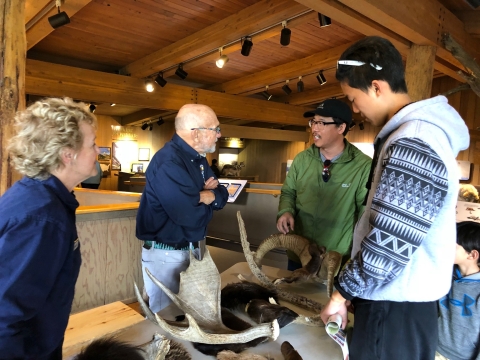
322,196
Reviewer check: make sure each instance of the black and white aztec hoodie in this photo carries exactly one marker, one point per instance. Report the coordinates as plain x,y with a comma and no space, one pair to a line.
404,243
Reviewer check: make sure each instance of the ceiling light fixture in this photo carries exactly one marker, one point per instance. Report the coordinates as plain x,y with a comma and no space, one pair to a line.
361,126
352,125
113,104
151,126
285,34
222,60
160,80
266,94
149,85
300,85
92,108
286,89
246,46
160,121
182,74
59,19
324,20
144,126
321,78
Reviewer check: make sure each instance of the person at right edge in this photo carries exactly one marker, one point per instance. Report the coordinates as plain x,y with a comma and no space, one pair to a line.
403,244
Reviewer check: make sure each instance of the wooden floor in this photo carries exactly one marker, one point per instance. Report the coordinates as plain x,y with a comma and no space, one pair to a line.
136,306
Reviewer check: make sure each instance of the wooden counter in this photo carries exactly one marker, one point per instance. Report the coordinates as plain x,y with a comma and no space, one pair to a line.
111,254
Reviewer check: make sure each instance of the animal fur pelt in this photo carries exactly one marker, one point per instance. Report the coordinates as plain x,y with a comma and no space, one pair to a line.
262,311
235,296
235,323
108,348
288,352
229,355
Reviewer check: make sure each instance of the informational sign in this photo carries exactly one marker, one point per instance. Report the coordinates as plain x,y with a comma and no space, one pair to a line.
234,187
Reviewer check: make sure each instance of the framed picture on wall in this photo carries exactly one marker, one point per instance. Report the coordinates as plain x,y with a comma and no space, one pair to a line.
105,154
143,154
137,168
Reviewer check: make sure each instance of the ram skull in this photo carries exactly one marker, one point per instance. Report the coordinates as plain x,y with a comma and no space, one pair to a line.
317,265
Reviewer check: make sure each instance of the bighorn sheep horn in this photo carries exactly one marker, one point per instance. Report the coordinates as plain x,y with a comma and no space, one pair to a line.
317,265
199,298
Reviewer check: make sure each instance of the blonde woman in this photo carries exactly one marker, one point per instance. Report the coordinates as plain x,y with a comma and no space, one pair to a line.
55,150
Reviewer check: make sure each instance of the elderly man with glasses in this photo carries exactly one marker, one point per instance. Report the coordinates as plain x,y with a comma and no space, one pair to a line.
322,196
177,204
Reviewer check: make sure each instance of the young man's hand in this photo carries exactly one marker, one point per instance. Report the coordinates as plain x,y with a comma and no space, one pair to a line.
336,305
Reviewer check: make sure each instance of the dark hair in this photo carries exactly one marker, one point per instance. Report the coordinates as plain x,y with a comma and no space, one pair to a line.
468,235
340,122
378,52
214,161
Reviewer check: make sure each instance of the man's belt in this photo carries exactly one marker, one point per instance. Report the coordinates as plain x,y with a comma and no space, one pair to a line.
162,246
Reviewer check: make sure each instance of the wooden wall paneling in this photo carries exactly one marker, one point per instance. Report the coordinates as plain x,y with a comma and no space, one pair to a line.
268,158
90,286
123,260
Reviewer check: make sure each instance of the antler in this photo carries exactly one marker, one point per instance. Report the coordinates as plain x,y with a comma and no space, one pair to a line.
199,298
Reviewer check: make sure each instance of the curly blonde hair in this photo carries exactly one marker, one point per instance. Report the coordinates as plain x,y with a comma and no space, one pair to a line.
43,130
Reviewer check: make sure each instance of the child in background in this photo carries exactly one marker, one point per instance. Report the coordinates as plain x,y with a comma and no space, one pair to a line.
459,321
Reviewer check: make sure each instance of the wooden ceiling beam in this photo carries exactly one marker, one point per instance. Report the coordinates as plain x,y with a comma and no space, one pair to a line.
370,27
313,96
38,26
59,80
256,82
471,21
421,22
258,16
143,115
264,35
355,20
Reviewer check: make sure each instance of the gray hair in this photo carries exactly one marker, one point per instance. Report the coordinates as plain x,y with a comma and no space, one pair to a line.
43,130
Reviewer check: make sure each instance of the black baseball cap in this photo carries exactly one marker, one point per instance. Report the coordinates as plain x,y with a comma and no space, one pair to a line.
332,108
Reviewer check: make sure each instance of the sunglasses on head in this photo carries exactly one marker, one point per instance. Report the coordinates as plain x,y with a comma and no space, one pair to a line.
326,170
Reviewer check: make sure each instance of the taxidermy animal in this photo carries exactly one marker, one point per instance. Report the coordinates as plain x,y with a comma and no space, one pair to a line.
108,348
317,266
262,311
288,352
230,355
199,298
232,169
235,296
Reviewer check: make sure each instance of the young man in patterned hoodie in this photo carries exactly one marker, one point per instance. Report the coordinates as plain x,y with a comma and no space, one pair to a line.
403,244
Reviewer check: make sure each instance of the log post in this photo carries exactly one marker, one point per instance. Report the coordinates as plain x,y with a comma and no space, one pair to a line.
12,80
419,71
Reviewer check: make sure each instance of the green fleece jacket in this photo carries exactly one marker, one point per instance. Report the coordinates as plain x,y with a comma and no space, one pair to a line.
326,212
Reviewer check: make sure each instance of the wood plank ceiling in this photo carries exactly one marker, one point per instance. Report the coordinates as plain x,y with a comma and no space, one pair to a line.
141,38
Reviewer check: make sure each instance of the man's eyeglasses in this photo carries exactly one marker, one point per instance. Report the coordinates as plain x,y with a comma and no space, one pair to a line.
216,129
357,63
322,124
326,170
